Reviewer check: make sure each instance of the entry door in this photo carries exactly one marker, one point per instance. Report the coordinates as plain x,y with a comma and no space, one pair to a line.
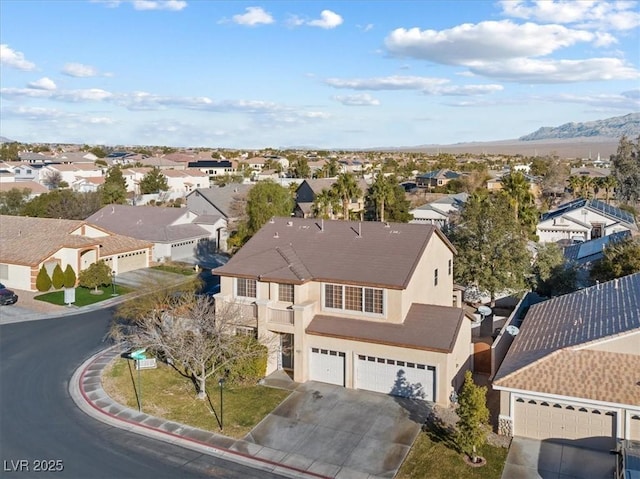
286,351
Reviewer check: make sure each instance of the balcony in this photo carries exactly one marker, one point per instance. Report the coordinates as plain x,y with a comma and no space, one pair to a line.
280,315
247,312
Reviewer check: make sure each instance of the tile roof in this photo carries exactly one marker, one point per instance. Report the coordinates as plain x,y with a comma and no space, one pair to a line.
597,375
223,197
371,253
29,241
150,223
33,186
606,310
427,327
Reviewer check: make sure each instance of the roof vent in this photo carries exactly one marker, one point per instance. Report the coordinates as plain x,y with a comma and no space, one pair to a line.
289,223
276,235
272,220
387,225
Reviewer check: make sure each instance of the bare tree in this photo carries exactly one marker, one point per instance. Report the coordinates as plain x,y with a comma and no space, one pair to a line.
52,180
189,333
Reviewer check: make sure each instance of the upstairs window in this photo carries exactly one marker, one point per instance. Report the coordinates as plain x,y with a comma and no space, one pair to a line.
246,287
435,277
285,293
450,269
354,298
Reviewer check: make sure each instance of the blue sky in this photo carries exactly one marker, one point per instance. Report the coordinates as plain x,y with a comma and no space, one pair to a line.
347,74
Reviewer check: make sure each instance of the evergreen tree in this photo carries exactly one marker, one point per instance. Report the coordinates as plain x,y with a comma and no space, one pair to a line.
620,258
474,416
69,277
626,170
96,275
153,182
43,281
114,189
264,201
57,278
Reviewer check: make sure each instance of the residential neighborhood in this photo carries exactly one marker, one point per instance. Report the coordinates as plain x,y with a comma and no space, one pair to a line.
351,279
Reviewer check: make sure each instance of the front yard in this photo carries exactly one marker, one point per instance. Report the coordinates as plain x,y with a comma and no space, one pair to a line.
167,394
84,296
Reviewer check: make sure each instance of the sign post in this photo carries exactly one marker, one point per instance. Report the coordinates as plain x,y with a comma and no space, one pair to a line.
138,356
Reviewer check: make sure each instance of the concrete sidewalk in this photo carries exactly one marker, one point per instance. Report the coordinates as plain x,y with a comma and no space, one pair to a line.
86,391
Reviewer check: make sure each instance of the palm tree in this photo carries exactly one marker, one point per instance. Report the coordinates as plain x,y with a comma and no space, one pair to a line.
574,184
585,183
516,187
382,191
325,204
608,183
346,188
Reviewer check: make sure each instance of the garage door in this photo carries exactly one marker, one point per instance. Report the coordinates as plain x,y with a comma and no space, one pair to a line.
548,420
398,378
327,366
183,250
132,261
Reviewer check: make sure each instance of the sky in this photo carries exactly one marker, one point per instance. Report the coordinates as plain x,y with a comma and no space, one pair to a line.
316,74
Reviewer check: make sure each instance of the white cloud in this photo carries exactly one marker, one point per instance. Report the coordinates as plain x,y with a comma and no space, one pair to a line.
171,5
14,59
357,100
387,83
366,28
43,84
254,16
623,102
484,41
469,90
79,70
557,71
617,15
327,20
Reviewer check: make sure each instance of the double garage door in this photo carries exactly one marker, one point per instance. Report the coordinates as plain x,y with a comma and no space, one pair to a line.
549,420
388,376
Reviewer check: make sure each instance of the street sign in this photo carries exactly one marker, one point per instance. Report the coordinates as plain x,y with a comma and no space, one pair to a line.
138,354
146,363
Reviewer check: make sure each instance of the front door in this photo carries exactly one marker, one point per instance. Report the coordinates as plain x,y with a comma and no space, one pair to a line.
286,351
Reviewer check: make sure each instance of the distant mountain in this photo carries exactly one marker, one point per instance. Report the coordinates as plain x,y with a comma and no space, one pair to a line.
5,140
615,127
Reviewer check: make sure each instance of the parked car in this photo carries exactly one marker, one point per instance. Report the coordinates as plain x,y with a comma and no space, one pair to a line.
7,296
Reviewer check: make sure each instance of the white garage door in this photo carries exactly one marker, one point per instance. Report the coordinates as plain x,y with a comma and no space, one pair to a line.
132,261
327,366
183,249
549,420
398,378
634,427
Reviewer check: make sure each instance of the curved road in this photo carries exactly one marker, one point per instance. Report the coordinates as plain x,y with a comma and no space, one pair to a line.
39,420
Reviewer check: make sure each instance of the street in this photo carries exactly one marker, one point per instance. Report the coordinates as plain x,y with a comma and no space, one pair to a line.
44,434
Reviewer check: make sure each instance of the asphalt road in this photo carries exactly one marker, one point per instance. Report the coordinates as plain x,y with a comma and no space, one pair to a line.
39,421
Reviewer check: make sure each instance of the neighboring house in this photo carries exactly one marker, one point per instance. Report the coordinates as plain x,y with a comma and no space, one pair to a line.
495,182
227,201
28,243
27,172
29,157
309,189
439,212
572,372
176,233
161,163
595,173
436,178
212,168
583,220
35,189
87,185
185,181
76,157
133,176
71,172
365,305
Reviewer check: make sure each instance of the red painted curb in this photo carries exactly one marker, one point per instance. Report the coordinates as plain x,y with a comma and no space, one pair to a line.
195,441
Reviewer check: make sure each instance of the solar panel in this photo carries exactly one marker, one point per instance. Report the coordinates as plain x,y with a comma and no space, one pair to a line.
612,211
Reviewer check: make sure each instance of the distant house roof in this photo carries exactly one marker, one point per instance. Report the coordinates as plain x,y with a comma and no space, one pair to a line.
555,333
427,327
209,164
223,197
29,241
594,205
297,250
446,203
34,187
150,223
443,174
592,250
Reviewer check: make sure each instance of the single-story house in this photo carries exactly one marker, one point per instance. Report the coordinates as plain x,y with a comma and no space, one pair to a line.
572,372
27,244
365,305
435,178
439,212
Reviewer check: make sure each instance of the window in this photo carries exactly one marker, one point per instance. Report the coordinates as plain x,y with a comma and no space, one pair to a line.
435,277
450,267
285,293
4,271
246,287
246,331
354,298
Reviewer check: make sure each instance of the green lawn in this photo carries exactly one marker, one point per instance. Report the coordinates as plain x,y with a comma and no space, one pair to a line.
167,394
84,296
433,456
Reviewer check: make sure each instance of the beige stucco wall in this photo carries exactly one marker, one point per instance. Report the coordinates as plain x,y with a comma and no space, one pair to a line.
18,277
626,344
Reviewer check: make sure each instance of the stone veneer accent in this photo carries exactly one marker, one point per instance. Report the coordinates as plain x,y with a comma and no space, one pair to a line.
505,426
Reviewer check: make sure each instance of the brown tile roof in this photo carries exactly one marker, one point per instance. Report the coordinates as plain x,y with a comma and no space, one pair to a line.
29,241
426,327
32,186
367,253
588,315
597,375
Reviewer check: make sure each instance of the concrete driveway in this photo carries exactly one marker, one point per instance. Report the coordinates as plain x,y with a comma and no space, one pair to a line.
338,432
534,459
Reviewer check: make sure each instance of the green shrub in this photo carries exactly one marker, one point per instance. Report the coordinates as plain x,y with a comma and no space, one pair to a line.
98,274
43,281
69,277
248,370
57,278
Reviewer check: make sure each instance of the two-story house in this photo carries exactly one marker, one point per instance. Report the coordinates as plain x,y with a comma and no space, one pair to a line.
364,305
